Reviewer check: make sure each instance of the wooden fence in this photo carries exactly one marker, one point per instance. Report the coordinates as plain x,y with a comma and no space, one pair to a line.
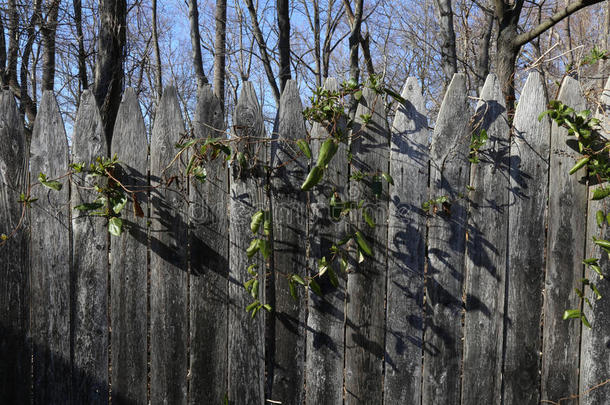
460,306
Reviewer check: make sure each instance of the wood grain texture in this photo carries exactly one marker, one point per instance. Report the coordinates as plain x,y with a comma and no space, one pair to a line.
50,258
565,250
529,165
90,262
168,257
15,350
409,161
209,255
289,236
595,349
128,264
486,250
247,196
325,316
366,282
449,176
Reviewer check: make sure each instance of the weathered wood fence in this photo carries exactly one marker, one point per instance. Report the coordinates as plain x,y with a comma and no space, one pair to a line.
462,306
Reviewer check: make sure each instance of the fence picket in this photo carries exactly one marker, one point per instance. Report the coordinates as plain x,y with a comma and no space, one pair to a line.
168,257
529,165
289,237
449,176
486,250
595,362
565,251
15,352
90,262
246,351
409,161
325,320
366,282
50,258
209,250
128,264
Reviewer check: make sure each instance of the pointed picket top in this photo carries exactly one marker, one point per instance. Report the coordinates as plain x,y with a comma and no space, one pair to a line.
168,127
129,136
49,142
89,140
248,114
289,127
209,117
12,143
532,98
453,112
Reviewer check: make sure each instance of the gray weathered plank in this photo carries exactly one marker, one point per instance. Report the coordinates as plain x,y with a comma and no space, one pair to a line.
529,165
128,264
325,318
449,176
289,234
565,252
90,262
595,355
247,195
168,257
50,258
15,352
486,250
409,161
366,282
209,250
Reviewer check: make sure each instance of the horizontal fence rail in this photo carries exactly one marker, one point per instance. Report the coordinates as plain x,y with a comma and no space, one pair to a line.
461,301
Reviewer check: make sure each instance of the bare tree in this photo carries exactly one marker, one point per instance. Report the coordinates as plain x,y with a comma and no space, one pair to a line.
220,50
448,51
196,44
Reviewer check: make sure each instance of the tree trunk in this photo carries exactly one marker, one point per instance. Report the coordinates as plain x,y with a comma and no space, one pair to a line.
155,34
283,24
506,57
448,48
82,67
354,40
316,39
13,46
220,51
48,30
482,68
196,44
109,73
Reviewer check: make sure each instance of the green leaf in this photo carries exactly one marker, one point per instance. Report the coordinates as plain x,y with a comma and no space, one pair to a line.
55,185
251,270
315,175
579,164
358,95
293,290
253,248
257,220
571,314
597,269
327,151
185,145
601,217
267,307
315,287
585,321
394,95
187,171
364,247
322,266
115,226
601,242
265,249
200,173
387,178
596,291
89,206
298,279
254,290
601,193
367,218
252,306
304,146
118,203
